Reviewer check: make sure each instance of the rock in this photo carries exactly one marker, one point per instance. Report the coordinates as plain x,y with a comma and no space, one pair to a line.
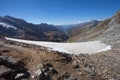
71,78
2,79
45,73
8,59
66,76
48,65
76,64
4,51
48,69
65,58
19,75
40,75
12,69
38,72
5,71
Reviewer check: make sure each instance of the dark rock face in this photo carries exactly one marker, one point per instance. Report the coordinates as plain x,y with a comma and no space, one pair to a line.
12,69
66,76
19,28
48,68
42,76
46,72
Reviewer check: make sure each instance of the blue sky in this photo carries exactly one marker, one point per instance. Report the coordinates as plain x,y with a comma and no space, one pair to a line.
59,11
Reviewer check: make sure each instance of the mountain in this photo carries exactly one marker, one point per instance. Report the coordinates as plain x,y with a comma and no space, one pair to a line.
92,30
107,31
75,30
111,33
80,29
64,27
19,28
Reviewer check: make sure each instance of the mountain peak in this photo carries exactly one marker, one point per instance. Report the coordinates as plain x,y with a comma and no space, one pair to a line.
94,21
116,17
118,11
8,17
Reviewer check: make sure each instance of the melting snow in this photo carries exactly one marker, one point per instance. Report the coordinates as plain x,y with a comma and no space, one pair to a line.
105,49
71,48
60,49
7,25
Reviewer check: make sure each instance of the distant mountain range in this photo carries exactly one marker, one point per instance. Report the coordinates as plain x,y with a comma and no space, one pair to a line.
64,27
19,28
76,29
92,30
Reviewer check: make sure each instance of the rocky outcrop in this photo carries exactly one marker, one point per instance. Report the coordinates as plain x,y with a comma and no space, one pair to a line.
66,76
45,73
112,33
10,69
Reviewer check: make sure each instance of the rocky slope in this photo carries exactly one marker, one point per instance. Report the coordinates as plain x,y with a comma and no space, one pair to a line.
82,29
37,63
112,33
77,29
107,31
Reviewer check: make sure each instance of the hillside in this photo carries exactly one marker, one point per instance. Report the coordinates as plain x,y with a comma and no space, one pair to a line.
19,28
89,32
31,62
107,31
111,34
81,28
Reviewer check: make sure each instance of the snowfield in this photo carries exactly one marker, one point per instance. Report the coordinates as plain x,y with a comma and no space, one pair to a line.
7,25
71,48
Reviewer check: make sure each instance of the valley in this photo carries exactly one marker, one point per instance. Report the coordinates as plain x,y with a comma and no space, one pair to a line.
85,51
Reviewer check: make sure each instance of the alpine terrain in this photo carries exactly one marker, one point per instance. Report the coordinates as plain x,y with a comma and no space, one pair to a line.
84,51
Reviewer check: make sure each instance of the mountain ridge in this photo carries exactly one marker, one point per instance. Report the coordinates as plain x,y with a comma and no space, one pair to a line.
25,30
72,33
106,28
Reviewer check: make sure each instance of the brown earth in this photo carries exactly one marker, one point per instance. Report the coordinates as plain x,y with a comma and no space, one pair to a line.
101,66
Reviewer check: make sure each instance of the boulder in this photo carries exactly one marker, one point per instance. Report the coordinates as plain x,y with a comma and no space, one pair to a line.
11,69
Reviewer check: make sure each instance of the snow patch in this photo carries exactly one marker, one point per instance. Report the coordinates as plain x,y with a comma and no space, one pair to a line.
71,48
7,25
60,50
105,49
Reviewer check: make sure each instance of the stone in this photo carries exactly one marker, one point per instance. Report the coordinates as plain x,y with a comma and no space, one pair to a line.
11,69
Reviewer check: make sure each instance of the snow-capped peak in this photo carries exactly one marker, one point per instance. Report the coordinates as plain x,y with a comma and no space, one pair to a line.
7,25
